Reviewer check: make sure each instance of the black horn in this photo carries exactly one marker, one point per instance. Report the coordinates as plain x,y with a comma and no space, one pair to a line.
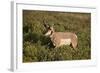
46,24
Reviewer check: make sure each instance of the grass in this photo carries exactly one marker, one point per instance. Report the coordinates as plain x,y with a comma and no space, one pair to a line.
38,48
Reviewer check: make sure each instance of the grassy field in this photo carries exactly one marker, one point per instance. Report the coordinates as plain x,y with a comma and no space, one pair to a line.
35,44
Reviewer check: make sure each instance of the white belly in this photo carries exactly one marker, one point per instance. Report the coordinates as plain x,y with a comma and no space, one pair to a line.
65,41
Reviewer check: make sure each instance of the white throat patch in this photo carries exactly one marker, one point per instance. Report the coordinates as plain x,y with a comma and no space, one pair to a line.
48,33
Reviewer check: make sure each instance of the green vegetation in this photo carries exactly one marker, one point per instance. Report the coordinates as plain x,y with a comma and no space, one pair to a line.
37,47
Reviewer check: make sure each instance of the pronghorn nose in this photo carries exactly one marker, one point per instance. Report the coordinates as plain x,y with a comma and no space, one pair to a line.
48,33
45,34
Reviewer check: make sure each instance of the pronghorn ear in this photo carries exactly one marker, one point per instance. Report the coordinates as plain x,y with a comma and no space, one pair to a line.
52,28
51,32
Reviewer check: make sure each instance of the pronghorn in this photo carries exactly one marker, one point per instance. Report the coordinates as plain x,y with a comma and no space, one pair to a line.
61,38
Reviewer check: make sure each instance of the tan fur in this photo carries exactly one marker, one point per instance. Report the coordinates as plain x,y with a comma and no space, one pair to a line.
57,38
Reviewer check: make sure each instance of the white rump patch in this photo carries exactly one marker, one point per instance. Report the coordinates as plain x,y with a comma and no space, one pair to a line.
65,42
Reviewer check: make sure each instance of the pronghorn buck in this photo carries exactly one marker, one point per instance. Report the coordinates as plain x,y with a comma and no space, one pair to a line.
61,38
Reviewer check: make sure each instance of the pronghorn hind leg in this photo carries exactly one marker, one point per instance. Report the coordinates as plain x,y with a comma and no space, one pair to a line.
74,43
